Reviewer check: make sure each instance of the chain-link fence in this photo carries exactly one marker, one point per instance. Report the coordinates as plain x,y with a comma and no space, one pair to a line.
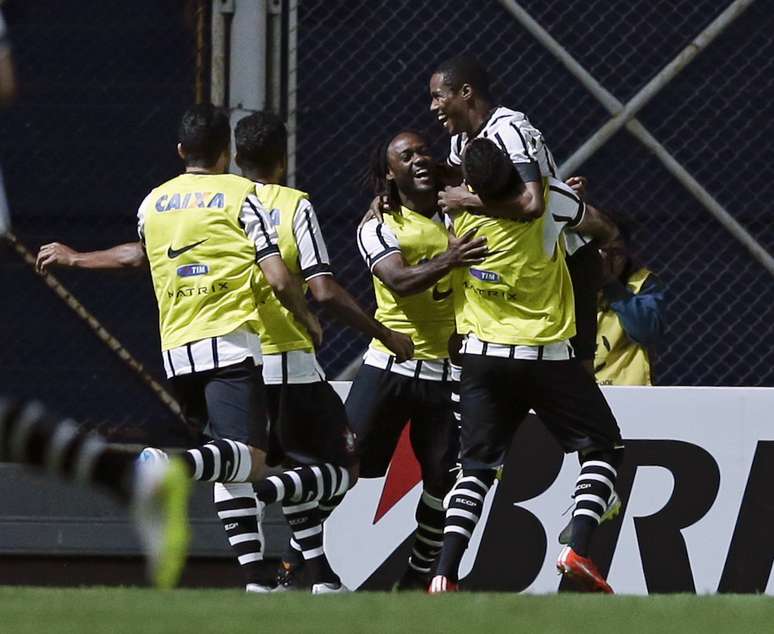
103,85
363,70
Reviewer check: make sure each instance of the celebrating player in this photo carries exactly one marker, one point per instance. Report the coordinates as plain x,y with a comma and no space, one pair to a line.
410,255
308,417
309,424
517,313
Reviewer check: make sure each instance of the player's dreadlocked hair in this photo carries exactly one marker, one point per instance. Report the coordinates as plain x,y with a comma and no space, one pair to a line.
375,176
488,170
465,69
261,140
204,134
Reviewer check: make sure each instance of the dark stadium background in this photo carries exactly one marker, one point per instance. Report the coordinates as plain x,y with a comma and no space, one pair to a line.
103,85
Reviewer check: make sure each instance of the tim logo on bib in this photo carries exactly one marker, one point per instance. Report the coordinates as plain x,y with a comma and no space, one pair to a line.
484,276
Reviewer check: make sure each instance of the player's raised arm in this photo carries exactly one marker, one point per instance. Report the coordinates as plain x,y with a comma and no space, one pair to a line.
127,255
381,251
596,224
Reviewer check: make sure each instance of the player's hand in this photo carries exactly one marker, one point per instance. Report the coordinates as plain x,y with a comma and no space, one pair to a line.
579,185
379,206
446,175
399,344
55,254
466,250
315,330
453,199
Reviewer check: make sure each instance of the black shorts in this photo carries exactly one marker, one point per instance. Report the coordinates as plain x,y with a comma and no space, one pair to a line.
497,393
226,402
379,406
585,267
308,425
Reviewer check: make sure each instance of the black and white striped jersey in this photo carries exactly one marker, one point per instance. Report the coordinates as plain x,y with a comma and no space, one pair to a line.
313,257
517,137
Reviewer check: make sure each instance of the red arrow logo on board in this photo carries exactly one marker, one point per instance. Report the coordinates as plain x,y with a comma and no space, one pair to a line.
402,475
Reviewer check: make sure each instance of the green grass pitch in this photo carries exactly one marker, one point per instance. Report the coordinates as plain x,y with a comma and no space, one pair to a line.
141,611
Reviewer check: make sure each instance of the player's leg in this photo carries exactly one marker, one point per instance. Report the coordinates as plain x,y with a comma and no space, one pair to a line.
585,269
569,402
157,494
313,430
492,407
236,406
435,441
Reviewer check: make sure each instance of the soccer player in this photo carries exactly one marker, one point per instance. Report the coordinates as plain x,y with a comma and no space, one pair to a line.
157,494
308,419
517,313
410,255
303,407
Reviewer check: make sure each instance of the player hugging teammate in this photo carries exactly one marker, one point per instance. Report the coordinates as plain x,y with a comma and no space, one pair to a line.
516,311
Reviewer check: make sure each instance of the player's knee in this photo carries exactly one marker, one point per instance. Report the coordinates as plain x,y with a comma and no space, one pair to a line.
612,456
485,476
354,474
258,467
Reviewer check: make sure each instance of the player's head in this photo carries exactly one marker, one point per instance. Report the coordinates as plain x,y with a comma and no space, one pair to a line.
204,137
457,87
261,145
488,170
402,164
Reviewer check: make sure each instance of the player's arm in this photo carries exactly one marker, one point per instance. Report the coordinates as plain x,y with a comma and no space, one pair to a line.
259,229
525,204
289,293
315,266
335,299
381,250
522,145
122,256
595,224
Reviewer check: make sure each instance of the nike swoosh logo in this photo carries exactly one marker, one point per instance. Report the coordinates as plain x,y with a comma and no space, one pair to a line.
440,295
173,253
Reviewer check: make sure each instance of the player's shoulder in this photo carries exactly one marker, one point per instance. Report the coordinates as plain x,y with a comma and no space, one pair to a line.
503,117
370,227
288,191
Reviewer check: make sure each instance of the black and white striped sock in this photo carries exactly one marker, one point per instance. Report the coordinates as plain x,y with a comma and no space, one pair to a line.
292,554
327,506
304,484
465,503
241,514
30,436
428,537
593,489
306,525
219,461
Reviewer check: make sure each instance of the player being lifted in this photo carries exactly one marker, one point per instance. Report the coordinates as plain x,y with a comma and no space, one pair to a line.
411,255
517,313
308,419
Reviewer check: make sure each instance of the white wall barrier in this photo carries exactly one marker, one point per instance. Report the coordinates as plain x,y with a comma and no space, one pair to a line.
696,484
